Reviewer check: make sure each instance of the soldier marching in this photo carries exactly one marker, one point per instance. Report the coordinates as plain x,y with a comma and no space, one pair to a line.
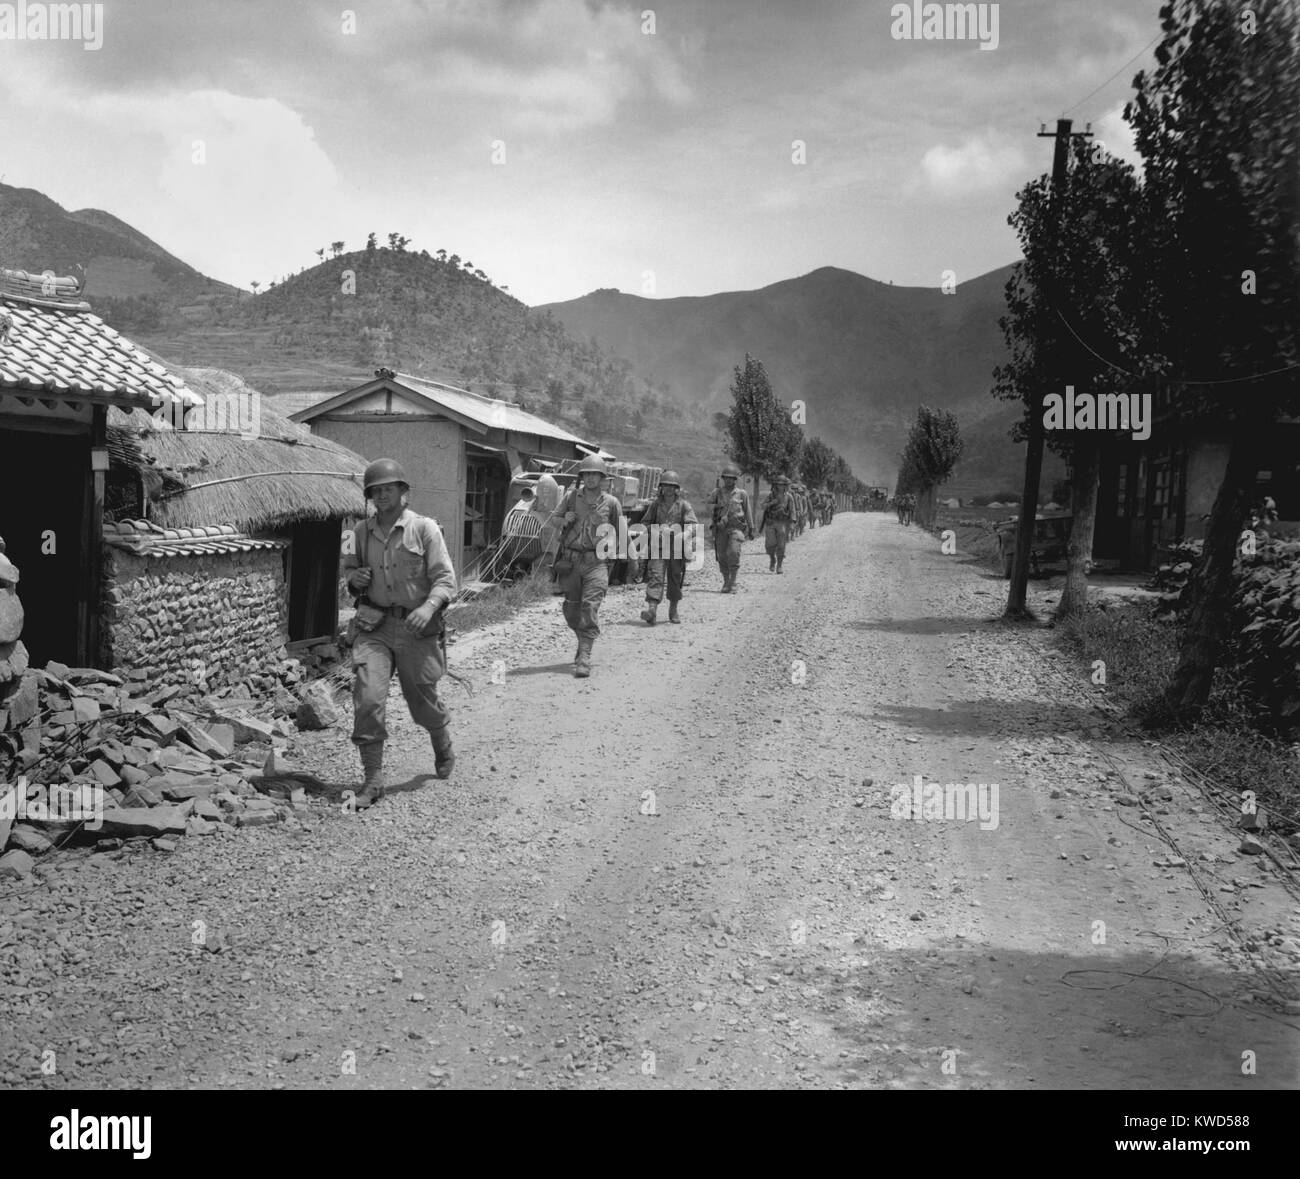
731,521
669,511
401,570
777,513
587,514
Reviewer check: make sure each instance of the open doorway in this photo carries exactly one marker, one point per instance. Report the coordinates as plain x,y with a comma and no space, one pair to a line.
43,482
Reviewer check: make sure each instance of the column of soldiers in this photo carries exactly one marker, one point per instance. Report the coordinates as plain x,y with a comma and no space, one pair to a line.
399,567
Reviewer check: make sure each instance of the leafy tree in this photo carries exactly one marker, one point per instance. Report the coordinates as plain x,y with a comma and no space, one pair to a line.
817,464
1080,289
555,395
762,439
1217,124
255,284
370,243
321,253
441,255
337,248
933,447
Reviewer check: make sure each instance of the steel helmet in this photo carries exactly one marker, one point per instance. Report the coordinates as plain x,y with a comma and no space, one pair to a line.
669,479
384,470
731,471
592,462
780,481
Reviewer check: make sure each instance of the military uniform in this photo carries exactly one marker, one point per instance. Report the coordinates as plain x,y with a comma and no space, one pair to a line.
410,566
664,567
732,521
598,515
778,512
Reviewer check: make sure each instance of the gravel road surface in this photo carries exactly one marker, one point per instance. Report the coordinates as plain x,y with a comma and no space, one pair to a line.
694,869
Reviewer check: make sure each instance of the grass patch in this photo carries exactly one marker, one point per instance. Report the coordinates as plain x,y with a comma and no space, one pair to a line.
1231,745
498,603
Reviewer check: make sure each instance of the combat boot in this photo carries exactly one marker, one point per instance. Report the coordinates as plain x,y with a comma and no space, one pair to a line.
443,757
672,612
651,613
582,663
771,564
778,566
372,761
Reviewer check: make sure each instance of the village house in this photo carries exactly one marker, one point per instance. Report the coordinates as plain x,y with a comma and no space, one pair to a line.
460,449
238,560
1155,492
150,533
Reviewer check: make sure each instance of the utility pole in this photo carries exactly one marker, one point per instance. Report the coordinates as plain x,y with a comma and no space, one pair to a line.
1016,609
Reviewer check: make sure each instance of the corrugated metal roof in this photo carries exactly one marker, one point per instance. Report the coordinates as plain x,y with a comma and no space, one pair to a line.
50,343
498,415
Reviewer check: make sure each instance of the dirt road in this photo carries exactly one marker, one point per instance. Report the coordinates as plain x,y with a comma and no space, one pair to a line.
688,871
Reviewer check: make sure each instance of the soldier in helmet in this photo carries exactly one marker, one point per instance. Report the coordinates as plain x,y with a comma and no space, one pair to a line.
398,564
669,511
587,515
774,519
800,496
731,520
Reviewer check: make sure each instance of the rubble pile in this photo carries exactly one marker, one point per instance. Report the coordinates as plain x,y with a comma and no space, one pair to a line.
159,763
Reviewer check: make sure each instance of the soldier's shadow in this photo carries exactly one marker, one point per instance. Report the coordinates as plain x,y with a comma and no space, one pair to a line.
545,669
416,782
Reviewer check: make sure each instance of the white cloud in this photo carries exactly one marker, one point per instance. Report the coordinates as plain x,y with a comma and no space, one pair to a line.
561,65
1116,137
984,163
235,186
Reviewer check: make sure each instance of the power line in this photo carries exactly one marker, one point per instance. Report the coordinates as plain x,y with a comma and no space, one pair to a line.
1140,53
1168,380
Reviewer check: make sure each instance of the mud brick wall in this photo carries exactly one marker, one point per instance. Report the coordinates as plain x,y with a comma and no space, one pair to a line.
166,615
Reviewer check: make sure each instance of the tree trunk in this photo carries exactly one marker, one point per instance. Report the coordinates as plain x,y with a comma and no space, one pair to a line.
925,507
1083,502
1211,590
1016,609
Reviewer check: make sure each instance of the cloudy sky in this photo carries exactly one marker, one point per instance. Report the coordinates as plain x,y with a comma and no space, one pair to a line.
564,145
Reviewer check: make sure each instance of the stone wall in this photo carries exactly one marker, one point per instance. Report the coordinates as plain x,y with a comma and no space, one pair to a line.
208,620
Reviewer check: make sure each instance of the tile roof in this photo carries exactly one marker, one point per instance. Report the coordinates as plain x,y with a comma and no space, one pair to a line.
487,411
148,540
497,415
51,345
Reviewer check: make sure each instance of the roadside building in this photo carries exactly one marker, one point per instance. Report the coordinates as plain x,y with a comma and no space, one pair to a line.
224,539
1157,491
460,449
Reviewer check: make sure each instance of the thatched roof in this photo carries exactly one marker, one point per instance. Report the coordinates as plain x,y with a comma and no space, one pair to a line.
277,475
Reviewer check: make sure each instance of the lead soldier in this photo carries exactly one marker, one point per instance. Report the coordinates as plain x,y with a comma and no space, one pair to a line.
400,567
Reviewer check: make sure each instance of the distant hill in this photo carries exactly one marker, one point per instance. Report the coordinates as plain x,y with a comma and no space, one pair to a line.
329,327
861,354
643,376
116,261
